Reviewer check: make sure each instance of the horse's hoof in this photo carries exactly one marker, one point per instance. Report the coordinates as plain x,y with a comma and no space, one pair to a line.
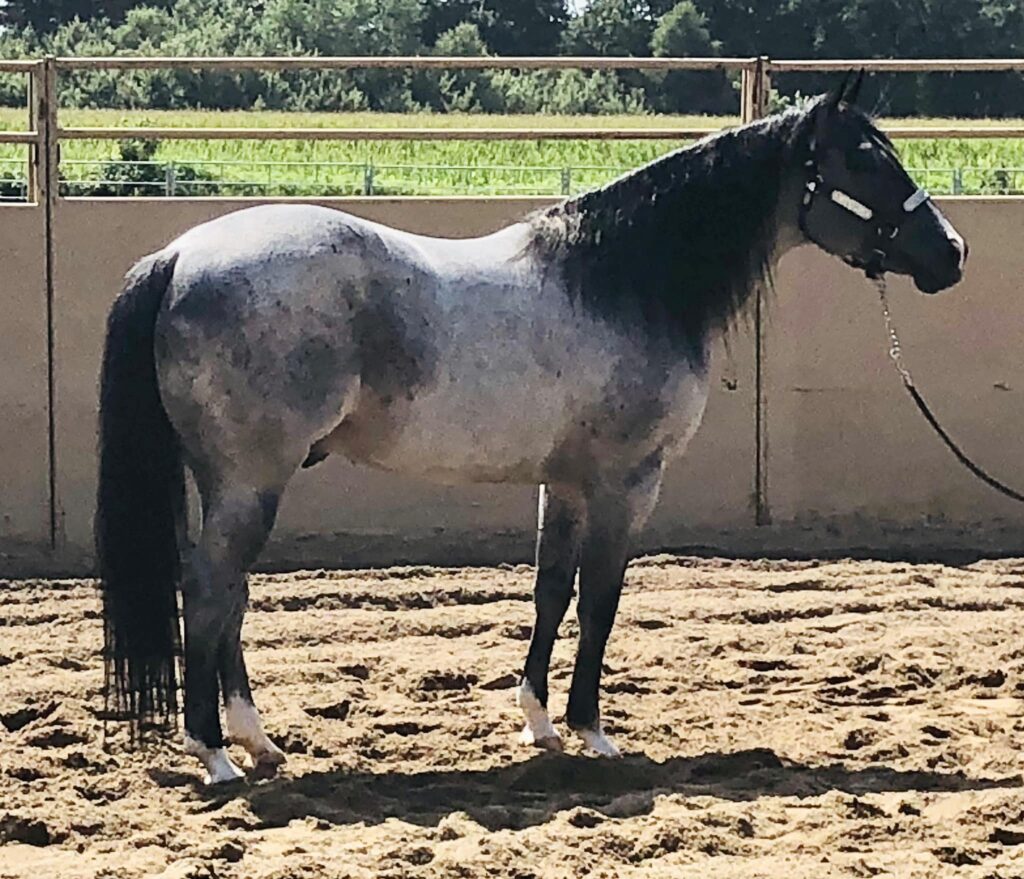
272,756
596,741
223,771
220,768
265,763
539,731
550,742
263,771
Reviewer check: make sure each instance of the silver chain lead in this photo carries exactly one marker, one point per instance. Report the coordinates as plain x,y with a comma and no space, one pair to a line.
896,356
895,350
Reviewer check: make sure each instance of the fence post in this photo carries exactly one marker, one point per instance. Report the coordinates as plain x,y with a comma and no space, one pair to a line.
169,179
32,96
746,95
756,96
566,181
47,180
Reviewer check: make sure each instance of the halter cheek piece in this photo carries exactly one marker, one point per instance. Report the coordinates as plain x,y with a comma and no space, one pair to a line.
885,229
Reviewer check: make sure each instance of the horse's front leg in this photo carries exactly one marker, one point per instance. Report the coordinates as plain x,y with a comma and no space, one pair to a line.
559,526
613,517
602,566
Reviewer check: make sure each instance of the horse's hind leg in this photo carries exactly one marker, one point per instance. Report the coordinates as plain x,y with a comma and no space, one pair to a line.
236,521
560,522
243,720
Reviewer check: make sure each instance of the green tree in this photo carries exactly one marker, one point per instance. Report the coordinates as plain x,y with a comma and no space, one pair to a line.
610,27
681,32
45,16
462,91
509,27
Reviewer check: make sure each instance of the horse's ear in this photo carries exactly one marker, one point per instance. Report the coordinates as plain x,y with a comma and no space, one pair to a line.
827,108
837,94
853,91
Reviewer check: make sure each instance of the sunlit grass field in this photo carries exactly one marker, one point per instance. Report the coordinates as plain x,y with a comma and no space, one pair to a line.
538,166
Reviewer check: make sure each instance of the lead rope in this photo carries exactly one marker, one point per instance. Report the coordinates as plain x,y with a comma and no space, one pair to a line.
896,355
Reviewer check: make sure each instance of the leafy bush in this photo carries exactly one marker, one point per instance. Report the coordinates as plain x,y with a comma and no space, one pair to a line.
136,172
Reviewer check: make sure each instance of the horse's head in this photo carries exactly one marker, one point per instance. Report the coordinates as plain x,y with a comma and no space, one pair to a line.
861,205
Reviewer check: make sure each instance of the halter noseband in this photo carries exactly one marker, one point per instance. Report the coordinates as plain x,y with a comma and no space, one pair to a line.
885,229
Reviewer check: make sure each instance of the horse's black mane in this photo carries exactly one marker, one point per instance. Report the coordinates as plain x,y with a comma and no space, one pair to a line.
680,244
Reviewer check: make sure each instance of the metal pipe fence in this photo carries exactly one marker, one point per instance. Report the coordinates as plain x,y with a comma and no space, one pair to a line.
44,133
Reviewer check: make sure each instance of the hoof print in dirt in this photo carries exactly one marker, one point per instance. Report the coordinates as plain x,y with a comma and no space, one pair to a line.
14,828
359,672
22,717
25,773
446,680
294,743
229,850
336,711
959,857
56,737
1007,836
993,679
502,682
407,727
857,739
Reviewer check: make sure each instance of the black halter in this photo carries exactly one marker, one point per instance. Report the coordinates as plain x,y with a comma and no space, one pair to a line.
886,224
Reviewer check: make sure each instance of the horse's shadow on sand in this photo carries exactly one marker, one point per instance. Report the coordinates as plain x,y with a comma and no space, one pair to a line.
531,792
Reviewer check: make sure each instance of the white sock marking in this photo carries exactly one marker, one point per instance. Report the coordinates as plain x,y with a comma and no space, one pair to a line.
539,731
595,740
219,767
246,728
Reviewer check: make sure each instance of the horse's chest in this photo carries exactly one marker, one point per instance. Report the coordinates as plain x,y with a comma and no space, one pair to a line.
687,394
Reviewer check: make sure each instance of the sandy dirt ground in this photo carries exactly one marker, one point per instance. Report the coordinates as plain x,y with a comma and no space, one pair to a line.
779,719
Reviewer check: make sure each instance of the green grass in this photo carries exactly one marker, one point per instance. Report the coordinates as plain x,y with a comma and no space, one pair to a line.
453,167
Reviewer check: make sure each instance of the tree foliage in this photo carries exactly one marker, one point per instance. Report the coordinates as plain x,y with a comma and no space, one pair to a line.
778,28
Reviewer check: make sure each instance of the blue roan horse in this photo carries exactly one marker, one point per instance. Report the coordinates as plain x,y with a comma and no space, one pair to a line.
569,350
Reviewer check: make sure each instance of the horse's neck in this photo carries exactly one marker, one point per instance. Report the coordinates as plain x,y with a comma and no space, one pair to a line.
685,240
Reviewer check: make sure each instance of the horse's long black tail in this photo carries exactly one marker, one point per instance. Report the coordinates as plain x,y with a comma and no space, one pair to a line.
140,509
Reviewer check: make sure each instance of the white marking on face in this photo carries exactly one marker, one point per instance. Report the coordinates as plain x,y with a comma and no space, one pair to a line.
246,728
539,731
219,766
595,740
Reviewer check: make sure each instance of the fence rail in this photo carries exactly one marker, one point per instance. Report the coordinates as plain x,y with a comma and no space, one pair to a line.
900,65
401,133
417,62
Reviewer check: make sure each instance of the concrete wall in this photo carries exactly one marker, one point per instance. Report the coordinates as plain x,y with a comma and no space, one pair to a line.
850,463
24,432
